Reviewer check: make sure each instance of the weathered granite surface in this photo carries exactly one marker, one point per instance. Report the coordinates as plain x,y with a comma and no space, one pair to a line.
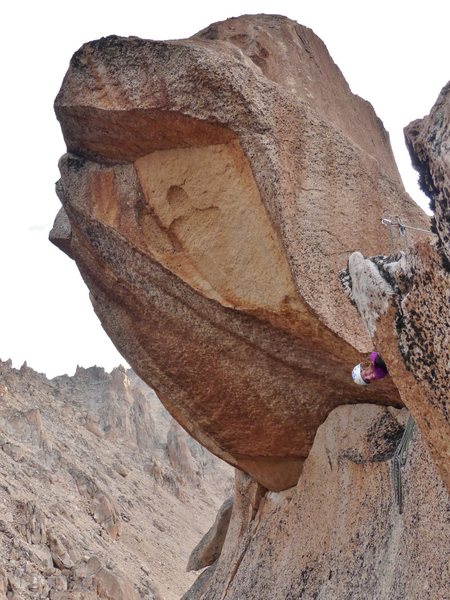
405,299
339,533
214,188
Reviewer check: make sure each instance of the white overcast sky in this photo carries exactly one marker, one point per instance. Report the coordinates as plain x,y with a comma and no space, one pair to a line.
393,53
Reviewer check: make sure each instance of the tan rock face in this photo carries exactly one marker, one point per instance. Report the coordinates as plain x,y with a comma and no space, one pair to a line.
215,212
339,534
213,191
179,453
405,301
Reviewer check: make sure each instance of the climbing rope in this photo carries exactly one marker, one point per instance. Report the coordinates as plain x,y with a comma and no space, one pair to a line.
399,461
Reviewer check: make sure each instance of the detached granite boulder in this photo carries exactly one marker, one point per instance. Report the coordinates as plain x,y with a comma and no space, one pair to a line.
210,546
212,190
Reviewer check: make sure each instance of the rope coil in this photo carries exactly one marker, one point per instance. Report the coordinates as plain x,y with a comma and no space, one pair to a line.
399,461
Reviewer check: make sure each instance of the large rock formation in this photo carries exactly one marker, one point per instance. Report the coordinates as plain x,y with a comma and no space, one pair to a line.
212,189
428,140
355,527
91,505
405,301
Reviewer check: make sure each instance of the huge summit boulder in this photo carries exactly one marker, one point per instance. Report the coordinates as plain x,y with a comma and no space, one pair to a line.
212,190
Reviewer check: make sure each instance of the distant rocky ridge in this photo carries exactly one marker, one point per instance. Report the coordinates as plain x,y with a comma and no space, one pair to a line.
102,494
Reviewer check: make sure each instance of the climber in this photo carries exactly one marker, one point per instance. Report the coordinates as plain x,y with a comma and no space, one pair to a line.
373,368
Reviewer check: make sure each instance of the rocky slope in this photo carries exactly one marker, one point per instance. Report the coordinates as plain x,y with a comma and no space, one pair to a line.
212,188
103,495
